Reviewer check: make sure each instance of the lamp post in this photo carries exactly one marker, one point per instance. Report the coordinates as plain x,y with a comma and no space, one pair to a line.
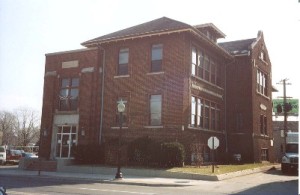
121,109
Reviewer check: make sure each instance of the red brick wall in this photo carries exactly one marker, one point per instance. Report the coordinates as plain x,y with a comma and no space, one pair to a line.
242,97
173,84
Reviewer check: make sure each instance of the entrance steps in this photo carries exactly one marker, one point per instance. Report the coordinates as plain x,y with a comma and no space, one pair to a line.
32,164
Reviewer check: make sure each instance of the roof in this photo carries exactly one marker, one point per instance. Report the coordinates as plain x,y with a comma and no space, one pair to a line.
159,26
240,47
155,26
212,27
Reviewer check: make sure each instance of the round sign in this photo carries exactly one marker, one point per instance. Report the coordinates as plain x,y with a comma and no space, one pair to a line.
213,143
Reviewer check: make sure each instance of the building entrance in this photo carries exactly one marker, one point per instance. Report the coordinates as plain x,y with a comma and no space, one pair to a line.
66,140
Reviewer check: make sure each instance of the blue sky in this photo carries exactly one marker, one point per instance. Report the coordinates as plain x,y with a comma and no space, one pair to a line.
30,29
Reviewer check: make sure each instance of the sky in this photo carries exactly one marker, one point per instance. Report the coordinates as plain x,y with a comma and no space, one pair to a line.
32,28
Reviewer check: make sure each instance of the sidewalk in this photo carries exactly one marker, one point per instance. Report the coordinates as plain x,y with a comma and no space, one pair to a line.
101,178
130,176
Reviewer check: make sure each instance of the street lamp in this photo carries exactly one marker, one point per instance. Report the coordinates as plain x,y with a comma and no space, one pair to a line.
121,109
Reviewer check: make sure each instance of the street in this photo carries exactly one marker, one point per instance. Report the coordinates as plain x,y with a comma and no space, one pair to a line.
271,182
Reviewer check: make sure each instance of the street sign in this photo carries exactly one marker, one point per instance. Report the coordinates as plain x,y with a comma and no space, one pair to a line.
213,143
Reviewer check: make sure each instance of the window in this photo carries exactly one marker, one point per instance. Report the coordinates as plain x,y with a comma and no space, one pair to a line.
213,72
218,116
68,97
199,113
204,67
194,61
124,114
205,114
193,111
262,56
196,112
200,64
264,154
155,110
263,124
156,58
123,61
213,116
262,83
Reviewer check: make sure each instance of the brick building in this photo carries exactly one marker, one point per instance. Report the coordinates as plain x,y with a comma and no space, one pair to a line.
179,84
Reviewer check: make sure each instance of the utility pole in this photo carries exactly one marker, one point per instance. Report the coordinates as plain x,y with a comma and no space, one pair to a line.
285,111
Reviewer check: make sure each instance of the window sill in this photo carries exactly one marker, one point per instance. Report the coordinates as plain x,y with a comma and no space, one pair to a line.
122,76
154,127
155,73
119,127
206,130
262,95
207,82
66,111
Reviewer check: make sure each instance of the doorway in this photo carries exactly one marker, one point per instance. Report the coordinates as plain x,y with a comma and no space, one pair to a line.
66,139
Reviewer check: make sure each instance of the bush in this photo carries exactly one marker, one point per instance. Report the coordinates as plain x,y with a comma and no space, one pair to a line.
89,154
140,151
172,154
146,152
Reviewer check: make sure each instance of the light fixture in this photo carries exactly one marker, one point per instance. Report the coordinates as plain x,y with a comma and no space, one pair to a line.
45,132
82,132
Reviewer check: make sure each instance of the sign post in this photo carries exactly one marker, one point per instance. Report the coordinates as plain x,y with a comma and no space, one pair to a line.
213,143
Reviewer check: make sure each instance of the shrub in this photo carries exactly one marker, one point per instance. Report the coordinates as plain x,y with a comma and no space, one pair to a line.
140,151
89,154
172,154
146,152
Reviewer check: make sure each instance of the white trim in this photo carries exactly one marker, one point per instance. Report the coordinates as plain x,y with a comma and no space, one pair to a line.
154,127
121,76
155,73
87,70
119,127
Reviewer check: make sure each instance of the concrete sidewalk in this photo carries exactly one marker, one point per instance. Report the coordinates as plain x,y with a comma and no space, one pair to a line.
143,177
101,178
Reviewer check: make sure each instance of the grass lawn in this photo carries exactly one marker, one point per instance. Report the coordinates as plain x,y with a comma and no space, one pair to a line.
219,169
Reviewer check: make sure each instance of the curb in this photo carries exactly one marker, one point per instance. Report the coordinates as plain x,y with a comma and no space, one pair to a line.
154,178
106,181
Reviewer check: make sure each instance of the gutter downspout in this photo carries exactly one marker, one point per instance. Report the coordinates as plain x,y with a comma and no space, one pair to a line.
225,105
102,92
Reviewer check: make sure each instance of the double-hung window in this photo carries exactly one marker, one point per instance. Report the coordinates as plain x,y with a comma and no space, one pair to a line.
68,97
123,61
156,58
194,61
262,83
263,124
155,110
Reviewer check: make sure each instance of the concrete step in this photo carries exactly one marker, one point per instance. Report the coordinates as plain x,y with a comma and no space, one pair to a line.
37,164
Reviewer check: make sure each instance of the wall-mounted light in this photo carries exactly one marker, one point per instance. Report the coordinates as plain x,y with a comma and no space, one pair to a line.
45,132
82,132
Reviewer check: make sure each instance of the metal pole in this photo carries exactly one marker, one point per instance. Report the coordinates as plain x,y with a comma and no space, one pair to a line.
285,113
213,156
119,173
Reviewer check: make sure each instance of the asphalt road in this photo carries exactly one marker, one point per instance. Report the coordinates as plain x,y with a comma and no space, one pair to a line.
271,182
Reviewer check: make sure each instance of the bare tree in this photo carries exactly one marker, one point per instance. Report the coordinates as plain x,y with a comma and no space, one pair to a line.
27,126
7,126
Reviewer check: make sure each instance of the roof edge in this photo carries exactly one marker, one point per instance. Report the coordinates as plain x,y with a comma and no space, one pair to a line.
70,51
221,34
133,36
